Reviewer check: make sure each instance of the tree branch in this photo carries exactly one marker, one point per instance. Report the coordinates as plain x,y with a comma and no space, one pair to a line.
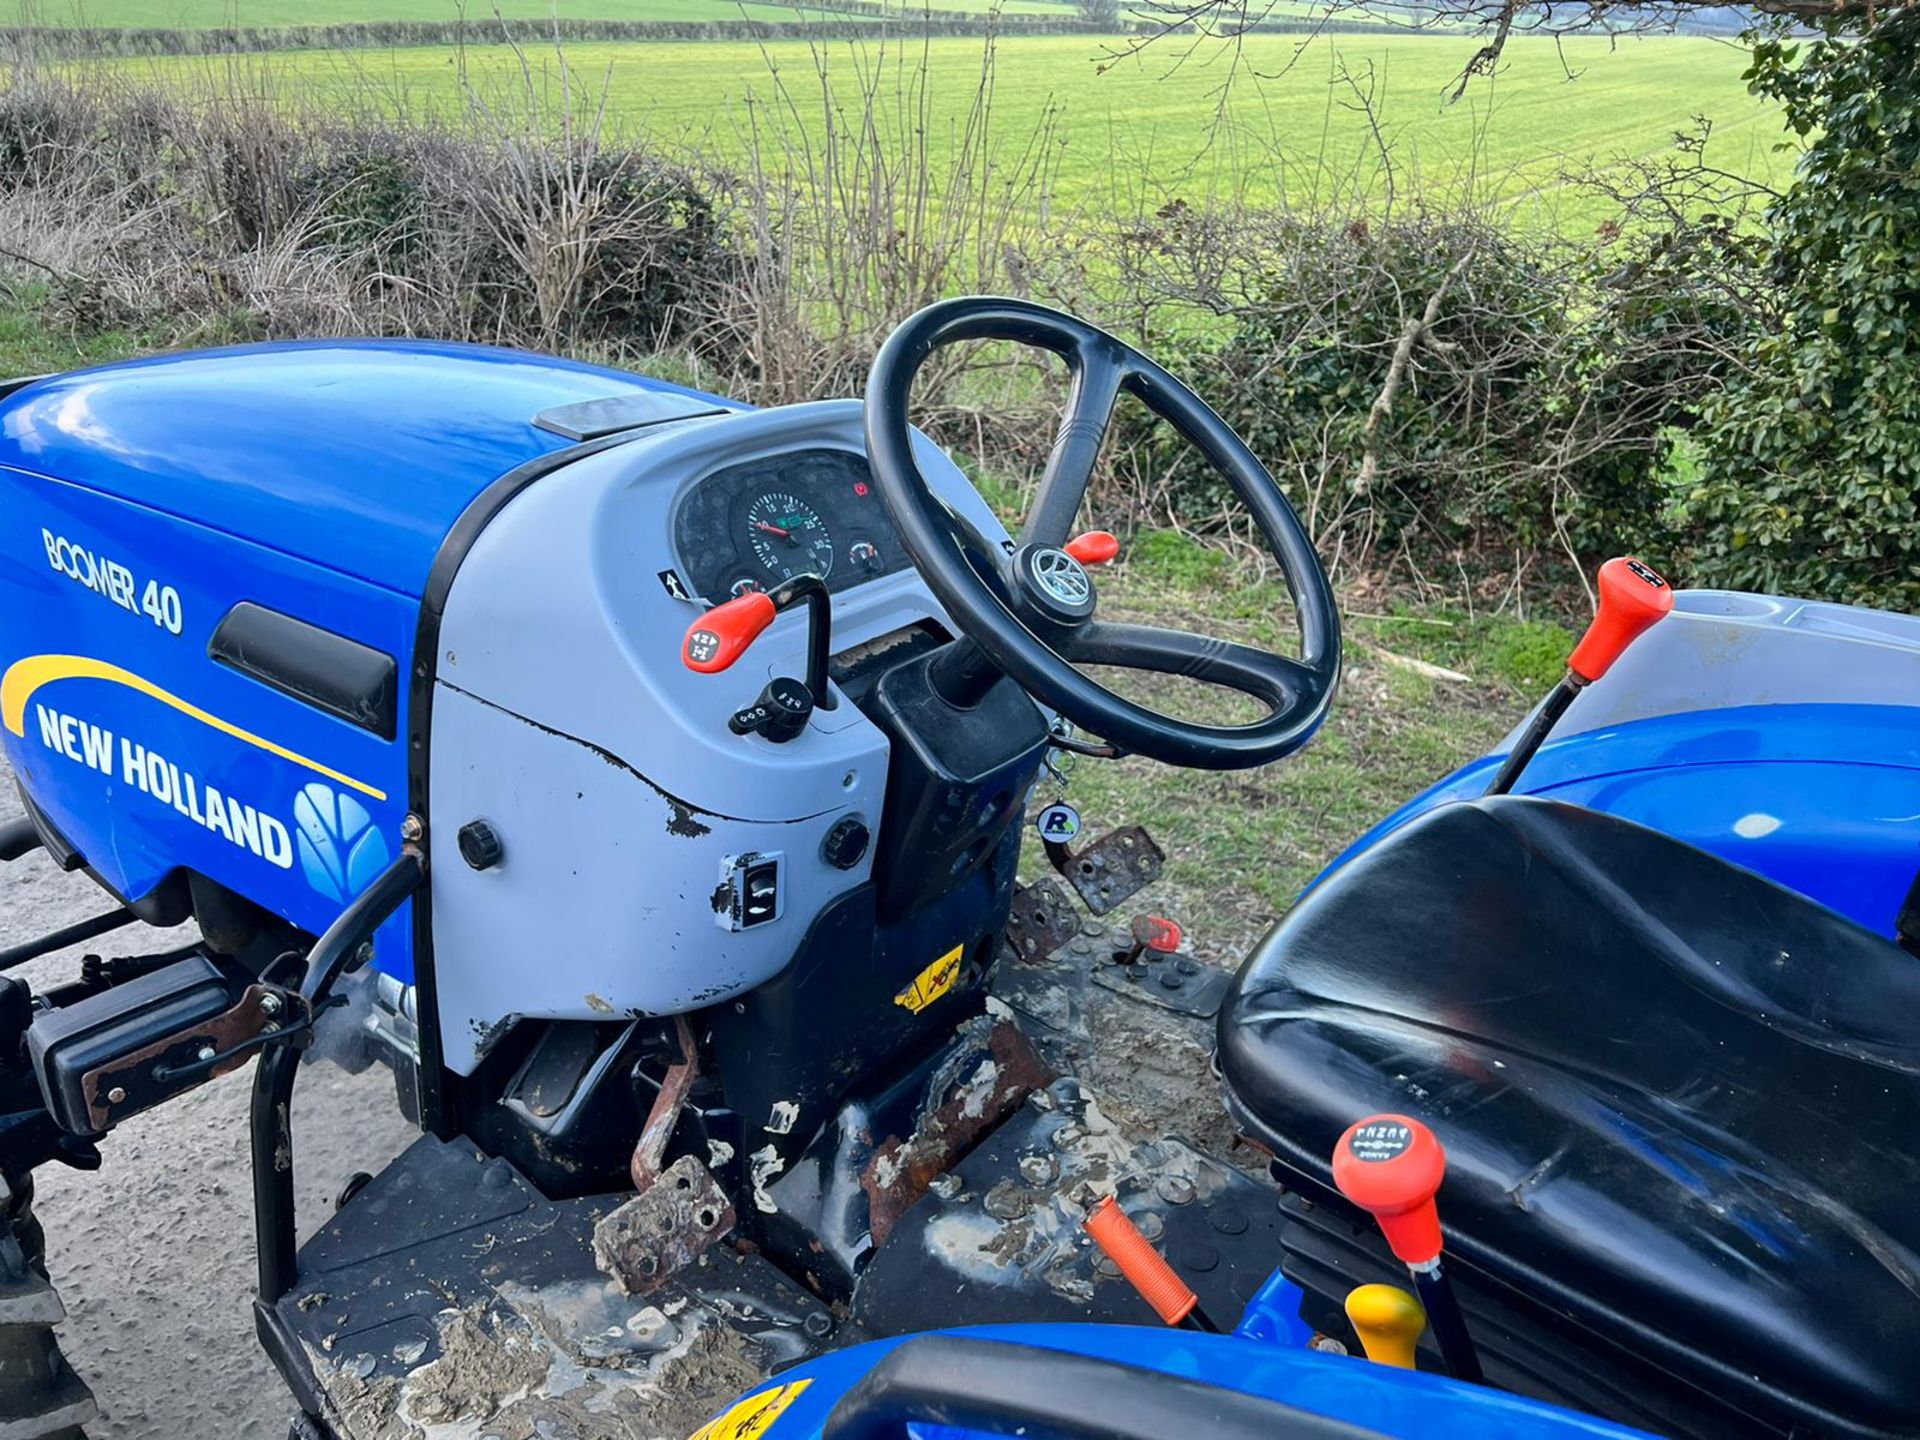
1397,374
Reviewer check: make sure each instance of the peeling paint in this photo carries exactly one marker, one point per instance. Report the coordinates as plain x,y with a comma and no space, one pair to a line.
763,1166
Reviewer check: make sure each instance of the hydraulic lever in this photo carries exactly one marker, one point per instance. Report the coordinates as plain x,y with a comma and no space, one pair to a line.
1633,599
718,639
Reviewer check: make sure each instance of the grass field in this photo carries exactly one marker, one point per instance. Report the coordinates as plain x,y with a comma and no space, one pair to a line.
1142,129
204,14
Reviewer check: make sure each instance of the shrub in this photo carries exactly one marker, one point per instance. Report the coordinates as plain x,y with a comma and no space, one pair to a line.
1813,448
1433,387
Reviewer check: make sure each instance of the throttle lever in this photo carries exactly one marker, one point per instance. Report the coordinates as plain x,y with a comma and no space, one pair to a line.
1633,599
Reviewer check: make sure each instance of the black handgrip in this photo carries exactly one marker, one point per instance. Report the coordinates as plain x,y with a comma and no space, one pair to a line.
1009,1389
17,838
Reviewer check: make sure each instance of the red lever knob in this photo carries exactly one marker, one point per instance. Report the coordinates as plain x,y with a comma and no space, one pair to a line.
1633,598
1391,1166
1096,547
722,635
1157,933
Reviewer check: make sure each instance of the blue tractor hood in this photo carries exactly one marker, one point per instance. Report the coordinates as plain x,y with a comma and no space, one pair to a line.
358,455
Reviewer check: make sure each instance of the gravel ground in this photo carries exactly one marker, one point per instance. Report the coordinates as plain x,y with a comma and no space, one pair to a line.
153,1253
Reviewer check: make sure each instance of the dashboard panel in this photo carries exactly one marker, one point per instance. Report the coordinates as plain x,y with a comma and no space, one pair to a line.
751,526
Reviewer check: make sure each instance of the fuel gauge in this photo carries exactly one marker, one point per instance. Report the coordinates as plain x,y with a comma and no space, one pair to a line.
864,556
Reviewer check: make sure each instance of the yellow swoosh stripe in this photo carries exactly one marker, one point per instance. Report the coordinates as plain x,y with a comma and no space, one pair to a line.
23,677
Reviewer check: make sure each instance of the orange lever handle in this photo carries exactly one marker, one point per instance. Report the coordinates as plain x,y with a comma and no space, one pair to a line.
1391,1166
1115,1233
1096,547
1633,599
722,635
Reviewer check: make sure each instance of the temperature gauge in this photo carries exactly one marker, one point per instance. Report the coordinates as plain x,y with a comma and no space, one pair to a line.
864,556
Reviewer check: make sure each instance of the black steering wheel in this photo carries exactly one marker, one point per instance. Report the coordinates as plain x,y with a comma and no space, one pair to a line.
1032,612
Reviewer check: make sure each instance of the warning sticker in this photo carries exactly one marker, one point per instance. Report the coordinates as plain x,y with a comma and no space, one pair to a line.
753,1416
933,982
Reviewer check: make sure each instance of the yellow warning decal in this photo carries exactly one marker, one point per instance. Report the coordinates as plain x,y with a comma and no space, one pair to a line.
24,677
933,982
753,1416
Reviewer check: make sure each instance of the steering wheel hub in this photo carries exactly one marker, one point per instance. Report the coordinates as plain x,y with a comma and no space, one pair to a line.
1056,582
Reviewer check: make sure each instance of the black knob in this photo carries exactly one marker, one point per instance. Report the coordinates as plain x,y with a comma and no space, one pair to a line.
846,842
780,713
479,845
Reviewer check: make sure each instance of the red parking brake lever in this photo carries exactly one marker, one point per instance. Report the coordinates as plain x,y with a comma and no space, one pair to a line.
1096,547
1633,599
1391,1166
722,635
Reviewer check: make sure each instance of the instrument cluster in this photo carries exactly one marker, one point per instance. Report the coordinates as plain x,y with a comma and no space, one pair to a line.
753,525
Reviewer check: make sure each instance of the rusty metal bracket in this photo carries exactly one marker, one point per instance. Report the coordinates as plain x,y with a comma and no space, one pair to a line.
652,1237
1112,870
1041,921
263,1015
650,1152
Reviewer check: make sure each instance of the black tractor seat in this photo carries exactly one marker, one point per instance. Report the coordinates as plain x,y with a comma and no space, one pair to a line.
1681,1106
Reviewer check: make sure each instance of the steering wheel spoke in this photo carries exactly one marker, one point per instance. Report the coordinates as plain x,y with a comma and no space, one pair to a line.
1099,375
1275,680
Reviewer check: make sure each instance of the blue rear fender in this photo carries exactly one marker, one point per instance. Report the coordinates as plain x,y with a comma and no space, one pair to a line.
1378,1398
1823,799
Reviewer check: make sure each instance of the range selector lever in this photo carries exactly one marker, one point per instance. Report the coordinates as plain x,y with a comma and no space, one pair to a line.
1391,1166
721,636
1633,599
779,714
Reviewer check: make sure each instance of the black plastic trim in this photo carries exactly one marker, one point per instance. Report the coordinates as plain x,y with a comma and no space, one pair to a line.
439,1110
328,671
18,838
623,414
20,382
1009,1389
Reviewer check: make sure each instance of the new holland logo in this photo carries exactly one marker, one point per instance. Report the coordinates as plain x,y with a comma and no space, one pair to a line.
340,848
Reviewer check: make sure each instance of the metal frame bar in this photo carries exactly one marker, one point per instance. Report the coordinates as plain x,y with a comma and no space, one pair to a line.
271,1124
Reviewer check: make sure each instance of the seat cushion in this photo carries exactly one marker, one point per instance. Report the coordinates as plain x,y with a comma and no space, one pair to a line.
1681,1104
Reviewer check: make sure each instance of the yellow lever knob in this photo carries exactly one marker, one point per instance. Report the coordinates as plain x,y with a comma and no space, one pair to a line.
1389,1322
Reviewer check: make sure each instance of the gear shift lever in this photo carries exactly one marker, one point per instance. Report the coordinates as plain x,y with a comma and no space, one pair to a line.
1633,599
1391,1167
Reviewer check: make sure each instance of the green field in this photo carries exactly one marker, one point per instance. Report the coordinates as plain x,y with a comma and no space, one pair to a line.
1143,130
205,14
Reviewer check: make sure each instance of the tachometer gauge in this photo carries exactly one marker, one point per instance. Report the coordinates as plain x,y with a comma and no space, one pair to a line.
789,537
